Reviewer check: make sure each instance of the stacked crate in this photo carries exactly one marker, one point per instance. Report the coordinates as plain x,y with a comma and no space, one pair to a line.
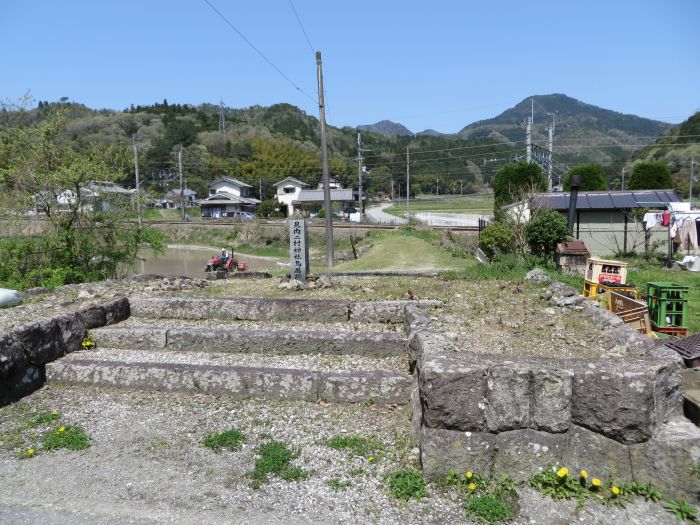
668,307
604,275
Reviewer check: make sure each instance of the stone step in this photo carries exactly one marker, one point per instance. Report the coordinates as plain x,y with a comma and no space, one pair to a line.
246,340
111,369
261,309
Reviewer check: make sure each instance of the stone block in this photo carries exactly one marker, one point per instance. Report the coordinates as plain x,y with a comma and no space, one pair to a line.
416,319
424,345
550,407
133,337
666,459
452,394
601,457
93,316
507,398
378,344
522,453
442,451
117,311
48,339
382,388
12,356
23,382
386,311
616,398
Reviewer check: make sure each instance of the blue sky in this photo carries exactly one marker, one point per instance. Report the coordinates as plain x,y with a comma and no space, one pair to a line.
439,64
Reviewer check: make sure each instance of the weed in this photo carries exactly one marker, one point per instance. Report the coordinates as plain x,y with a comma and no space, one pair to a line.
356,472
682,510
41,419
71,437
407,484
644,491
488,508
337,484
275,458
27,453
230,439
695,470
89,342
357,445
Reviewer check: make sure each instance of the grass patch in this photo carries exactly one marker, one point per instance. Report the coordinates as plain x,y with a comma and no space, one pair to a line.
479,204
41,419
338,484
488,508
230,439
407,484
275,458
71,437
356,445
406,250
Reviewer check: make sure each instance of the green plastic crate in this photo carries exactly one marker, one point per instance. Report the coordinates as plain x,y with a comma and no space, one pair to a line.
668,304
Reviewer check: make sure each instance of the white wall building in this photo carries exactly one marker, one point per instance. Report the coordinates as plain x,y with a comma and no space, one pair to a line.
288,191
227,196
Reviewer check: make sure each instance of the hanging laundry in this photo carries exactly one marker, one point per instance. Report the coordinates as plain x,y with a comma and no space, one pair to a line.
651,219
689,235
665,218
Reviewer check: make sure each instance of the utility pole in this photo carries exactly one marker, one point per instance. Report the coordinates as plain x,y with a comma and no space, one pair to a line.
324,159
182,189
260,189
528,140
551,155
460,186
622,184
437,186
359,171
222,127
138,182
392,187
692,177
408,185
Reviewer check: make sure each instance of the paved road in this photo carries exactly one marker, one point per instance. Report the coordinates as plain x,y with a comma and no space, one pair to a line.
376,214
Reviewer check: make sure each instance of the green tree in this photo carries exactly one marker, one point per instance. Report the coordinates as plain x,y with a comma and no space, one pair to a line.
84,237
514,182
593,177
544,231
650,176
497,238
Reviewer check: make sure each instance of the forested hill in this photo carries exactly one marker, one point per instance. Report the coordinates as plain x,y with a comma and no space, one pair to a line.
583,132
677,150
262,145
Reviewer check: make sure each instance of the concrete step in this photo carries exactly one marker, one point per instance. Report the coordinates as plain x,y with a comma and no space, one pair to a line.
246,340
111,368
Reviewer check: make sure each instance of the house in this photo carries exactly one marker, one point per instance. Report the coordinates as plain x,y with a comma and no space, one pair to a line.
227,196
609,222
292,196
173,198
287,192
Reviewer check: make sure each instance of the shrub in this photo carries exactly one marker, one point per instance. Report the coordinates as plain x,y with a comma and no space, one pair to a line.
544,231
497,238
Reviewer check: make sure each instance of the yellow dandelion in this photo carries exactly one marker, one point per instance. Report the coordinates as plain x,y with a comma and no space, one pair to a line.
584,474
563,472
370,459
615,490
472,486
61,429
469,474
30,452
595,482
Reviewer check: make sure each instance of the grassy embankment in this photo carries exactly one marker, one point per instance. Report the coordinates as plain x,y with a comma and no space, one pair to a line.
478,204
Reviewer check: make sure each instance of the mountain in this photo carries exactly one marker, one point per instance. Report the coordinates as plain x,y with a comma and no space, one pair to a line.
583,132
677,150
431,133
387,128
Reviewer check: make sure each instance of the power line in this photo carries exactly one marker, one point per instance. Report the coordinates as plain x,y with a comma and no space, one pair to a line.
311,47
257,50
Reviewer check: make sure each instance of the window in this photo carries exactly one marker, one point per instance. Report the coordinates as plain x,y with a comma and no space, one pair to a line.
289,189
212,191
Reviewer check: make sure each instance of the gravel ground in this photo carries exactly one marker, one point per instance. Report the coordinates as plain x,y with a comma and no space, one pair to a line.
146,465
336,363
